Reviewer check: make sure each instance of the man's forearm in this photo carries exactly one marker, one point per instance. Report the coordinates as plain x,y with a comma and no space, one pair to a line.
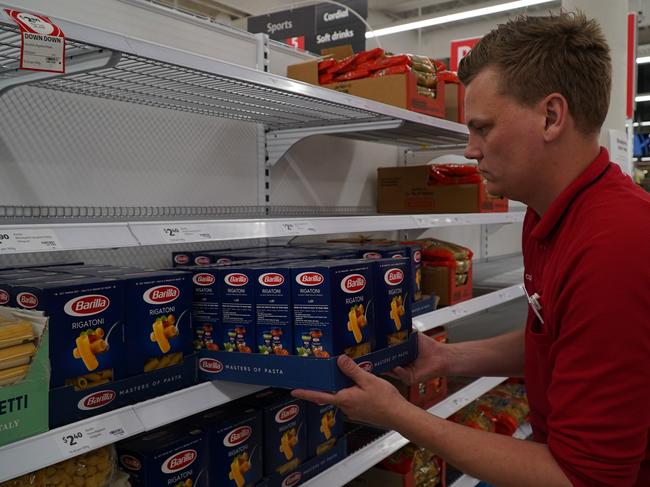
498,356
496,459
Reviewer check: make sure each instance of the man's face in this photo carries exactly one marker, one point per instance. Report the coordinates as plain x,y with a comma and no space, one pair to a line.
505,137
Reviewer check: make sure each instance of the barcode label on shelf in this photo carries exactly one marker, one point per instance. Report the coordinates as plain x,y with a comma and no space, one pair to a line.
297,228
185,233
28,240
78,439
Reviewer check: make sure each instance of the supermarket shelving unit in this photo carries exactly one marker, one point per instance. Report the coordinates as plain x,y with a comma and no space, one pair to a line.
114,67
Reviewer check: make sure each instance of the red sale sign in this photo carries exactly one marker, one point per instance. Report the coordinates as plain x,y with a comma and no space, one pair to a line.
460,49
297,42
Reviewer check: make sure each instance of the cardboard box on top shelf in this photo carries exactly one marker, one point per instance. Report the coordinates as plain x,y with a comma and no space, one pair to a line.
407,190
399,90
26,378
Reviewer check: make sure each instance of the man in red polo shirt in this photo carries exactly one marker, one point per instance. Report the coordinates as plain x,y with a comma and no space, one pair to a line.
537,95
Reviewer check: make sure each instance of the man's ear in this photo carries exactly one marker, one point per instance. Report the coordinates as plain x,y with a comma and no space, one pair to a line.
556,113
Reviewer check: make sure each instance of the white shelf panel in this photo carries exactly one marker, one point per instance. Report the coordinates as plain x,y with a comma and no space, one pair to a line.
466,308
360,461
78,236
48,448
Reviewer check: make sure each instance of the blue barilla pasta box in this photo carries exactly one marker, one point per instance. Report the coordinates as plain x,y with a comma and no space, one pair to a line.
412,252
273,311
392,308
206,308
234,435
324,426
158,322
87,343
285,431
174,456
331,302
237,292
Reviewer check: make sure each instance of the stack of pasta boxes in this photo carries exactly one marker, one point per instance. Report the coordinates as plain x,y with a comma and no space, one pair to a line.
266,434
106,322
308,301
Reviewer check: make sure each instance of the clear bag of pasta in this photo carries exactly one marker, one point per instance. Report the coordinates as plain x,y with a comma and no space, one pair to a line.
92,469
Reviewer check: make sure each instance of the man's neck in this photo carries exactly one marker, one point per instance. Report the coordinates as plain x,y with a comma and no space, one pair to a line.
562,165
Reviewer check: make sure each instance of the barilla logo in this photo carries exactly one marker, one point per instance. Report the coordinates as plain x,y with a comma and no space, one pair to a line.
310,279
27,300
236,279
4,297
353,283
202,260
367,366
181,259
397,256
203,279
96,400
88,305
161,294
237,436
224,260
286,414
210,365
271,279
130,462
292,479
372,255
417,256
393,277
179,461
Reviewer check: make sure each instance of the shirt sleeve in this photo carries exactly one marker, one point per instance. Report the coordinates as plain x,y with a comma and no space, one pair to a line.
599,394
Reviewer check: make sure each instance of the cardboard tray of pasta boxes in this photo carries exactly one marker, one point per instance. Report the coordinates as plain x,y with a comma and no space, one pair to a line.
435,188
406,81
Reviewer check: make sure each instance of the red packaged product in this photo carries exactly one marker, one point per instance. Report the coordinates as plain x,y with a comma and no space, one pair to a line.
448,77
369,55
388,61
447,174
325,64
350,75
343,65
326,78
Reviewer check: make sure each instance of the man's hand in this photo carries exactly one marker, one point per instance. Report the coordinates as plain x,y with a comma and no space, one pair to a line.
372,400
432,361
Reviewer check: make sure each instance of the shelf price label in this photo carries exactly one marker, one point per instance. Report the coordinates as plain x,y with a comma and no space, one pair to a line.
78,439
14,241
185,233
428,221
297,228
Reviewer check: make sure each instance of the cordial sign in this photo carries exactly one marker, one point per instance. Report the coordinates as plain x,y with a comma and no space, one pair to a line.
27,300
353,283
179,461
236,279
237,436
161,294
287,413
88,305
271,279
96,400
210,365
130,462
203,279
292,479
4,297
310,279
393,277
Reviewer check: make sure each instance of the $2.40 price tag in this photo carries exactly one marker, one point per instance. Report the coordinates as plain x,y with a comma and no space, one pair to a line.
89,436
297,228
185,233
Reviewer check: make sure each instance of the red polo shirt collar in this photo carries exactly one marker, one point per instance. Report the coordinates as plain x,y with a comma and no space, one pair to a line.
556,211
